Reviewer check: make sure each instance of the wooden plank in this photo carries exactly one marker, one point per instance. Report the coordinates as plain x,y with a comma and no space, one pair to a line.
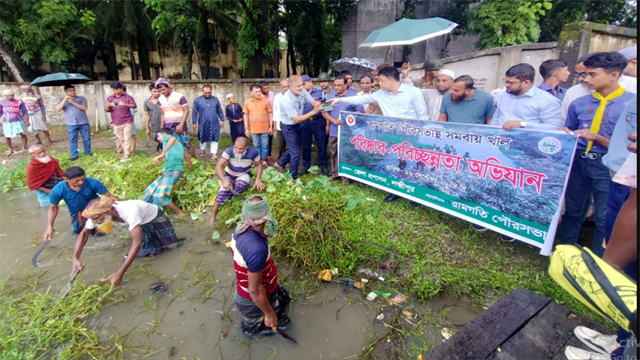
544,336
485,333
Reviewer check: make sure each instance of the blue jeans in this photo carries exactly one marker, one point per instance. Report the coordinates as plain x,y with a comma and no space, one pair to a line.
292,155
72,131
587,176
261,143
314,129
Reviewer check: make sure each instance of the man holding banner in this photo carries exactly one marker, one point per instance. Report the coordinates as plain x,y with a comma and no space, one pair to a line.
592,119
395,99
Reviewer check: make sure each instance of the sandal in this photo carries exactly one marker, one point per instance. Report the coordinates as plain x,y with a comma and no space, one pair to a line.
215,158
9,152
203,154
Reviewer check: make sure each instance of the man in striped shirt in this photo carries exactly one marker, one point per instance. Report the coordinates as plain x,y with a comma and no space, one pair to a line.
175,111
236,161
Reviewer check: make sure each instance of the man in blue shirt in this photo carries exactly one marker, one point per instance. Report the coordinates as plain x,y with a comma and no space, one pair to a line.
207,119
394,98
333,121
292,114
466,104
554,73
77,191
523,104
592,119
313,130
75,117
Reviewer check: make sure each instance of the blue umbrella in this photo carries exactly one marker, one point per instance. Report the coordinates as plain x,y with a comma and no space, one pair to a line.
358,67
408,31
60,79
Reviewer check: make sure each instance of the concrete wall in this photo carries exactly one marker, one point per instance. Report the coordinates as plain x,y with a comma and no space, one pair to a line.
580,38
487,67
97,92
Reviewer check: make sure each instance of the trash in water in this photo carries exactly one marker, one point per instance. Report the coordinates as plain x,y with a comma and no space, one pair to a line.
158,288
224,333
369,273
325,275
381,293
334,272
420,357
345,282
380,317
446,333
399,299
359,285
372,296
407,313
364,281
227,244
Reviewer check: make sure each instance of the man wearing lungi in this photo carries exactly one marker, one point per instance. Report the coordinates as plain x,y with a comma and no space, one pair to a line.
236,161
159,192
76,191
150,229
37,113
262,302
15,119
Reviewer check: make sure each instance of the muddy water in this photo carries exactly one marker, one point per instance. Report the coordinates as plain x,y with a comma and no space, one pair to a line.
197,317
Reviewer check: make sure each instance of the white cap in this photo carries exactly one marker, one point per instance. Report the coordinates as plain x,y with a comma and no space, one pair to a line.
630,53
7,92
447,72
229,95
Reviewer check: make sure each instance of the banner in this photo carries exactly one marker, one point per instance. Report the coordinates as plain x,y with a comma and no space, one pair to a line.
511,182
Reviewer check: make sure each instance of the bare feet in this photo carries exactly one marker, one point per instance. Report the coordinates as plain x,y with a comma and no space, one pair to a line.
203,154
9,152
278,167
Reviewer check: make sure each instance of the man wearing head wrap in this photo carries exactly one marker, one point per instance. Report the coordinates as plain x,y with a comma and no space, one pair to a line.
37,114
15,119
262,302
77,191
150,229
234,114
43,173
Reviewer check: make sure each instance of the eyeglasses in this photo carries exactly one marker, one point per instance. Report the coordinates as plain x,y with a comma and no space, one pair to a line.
511,83
580,74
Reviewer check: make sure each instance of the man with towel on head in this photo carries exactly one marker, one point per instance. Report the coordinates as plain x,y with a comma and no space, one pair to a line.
15,119
261,300
43,173
150,229
37,114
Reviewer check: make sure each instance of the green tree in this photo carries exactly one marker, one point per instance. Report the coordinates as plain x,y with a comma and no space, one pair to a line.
43,30
257,35
504,23
186,22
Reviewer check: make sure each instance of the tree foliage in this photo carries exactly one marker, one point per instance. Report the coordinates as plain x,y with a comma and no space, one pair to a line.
504,23
44,30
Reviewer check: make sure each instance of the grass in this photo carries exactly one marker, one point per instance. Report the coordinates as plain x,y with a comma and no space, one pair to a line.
424,252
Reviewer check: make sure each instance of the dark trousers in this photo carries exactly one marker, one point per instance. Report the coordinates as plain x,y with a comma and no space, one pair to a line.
237,129
291,135
314,130
333,160
282,144
270,144
587,176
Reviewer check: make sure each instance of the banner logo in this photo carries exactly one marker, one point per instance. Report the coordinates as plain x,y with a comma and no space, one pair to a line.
550,145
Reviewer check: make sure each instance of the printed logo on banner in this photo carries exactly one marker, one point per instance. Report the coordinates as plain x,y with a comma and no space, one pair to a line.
550,145
351,120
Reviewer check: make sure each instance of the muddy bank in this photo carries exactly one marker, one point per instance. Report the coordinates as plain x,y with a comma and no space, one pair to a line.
196,317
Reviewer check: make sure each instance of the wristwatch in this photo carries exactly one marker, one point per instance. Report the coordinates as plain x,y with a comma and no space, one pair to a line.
523,124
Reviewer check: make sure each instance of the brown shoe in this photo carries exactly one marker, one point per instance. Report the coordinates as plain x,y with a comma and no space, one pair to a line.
345,181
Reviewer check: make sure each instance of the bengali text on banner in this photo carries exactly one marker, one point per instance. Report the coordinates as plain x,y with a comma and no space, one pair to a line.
511,182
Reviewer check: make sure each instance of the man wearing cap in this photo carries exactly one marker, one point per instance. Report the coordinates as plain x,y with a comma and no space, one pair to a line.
234,114
324,78
37,114
466,104
292,112
207,119
277,116
431,69
313,130
15,120
262,302
75,117
433,97
629,80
